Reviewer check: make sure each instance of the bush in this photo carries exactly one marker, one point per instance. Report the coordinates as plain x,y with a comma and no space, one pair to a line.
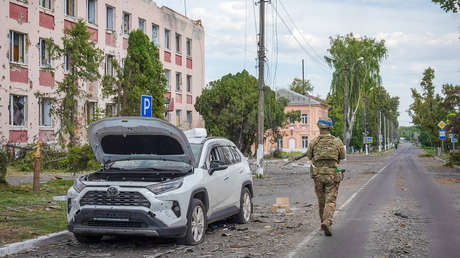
80,158
3,164
454,158
50,158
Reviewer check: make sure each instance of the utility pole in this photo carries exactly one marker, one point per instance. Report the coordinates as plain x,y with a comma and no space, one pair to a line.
384,133
309,102
365,129
185,7
260,106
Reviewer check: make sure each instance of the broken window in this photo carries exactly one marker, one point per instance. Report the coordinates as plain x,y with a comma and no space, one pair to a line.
45,111
17,47
178,82
189,83
109,64
189,118
167,75
178,43
90,111
167,34
111,109
142,25
45,4
69,8
91,11
17,108
188,45
45,60
178,117
155,34
126,19
66,63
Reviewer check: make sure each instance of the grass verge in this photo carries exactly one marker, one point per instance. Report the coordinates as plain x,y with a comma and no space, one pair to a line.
25,214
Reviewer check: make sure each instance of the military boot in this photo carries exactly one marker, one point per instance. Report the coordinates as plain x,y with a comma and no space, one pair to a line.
327,229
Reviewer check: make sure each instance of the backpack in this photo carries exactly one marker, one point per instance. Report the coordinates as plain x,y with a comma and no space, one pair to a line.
325,148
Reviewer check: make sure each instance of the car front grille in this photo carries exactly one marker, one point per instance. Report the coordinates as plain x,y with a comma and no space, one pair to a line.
124,198
115,224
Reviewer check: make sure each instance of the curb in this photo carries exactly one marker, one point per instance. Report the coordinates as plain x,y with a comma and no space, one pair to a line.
443,161
15,248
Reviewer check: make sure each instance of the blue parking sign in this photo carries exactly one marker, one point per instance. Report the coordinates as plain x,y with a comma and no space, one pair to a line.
146,106
442,134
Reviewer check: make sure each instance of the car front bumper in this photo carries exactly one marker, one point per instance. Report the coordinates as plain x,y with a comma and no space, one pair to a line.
122,222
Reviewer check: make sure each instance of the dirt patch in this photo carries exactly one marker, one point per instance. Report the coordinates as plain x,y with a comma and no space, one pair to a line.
425,155
448,180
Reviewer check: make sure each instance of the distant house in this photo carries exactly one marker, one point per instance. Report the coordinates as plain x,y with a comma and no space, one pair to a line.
296,135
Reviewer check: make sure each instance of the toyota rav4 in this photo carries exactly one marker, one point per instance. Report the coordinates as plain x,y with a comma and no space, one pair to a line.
155,181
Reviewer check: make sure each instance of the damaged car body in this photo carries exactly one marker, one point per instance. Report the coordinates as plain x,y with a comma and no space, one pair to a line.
156,181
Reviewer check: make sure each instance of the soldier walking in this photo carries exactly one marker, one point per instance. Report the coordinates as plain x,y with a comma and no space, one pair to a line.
325,152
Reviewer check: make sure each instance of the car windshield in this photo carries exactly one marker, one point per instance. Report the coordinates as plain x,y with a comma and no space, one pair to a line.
196,149
154,165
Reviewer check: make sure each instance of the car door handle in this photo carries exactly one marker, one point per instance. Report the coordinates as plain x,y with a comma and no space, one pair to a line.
226,178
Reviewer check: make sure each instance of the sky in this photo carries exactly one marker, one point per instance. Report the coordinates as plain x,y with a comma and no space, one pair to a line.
417,34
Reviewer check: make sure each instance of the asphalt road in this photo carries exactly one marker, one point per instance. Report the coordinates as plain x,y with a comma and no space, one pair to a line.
403,197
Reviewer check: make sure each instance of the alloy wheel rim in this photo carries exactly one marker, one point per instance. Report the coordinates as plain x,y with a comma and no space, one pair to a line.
197,223
246,206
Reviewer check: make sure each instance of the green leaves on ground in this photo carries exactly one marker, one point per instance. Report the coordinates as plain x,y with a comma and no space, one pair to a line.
142,74
229,108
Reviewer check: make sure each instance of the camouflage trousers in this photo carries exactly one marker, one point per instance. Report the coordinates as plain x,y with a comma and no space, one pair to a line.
327,188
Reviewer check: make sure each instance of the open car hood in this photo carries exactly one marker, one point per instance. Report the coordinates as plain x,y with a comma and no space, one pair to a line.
128,138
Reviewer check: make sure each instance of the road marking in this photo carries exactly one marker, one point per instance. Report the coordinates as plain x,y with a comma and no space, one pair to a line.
310,236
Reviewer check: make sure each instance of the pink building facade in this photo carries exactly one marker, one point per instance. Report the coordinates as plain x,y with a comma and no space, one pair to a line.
297,135
24,117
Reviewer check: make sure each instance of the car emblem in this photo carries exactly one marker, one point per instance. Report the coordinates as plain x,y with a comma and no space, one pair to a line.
112,191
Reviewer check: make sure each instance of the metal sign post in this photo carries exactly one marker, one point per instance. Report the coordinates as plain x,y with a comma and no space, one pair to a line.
442,137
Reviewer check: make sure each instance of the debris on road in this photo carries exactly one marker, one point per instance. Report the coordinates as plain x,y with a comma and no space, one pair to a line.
399,214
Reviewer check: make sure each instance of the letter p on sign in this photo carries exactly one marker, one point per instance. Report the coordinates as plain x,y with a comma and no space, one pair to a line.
146,106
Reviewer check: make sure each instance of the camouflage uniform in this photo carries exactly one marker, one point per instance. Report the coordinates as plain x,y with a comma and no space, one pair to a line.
325,153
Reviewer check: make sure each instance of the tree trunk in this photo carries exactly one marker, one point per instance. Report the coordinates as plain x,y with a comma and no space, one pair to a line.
346,141
3,165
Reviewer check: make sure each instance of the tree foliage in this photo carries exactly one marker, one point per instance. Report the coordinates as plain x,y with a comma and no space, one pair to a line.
301,87
85,59
448,5
229,107
429,108
356,64
142,74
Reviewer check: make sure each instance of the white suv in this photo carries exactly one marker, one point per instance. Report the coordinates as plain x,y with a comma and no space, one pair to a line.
157,182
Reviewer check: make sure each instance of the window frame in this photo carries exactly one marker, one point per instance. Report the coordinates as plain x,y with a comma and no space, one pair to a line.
88,12
42,42
91,116
189,83
178,82
24,48
178,117
107,64
156,39
126,26
66,8
50,3
41,116
139,24
304,141
178,43
167,35
11,110
168,79
107,7
188,46
189,123
302,116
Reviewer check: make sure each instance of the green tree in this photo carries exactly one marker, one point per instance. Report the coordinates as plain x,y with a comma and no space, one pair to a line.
301,87
142,74
229,107
448,5
85,59
356,64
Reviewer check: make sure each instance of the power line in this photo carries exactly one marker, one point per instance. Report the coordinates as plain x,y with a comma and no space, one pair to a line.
300,43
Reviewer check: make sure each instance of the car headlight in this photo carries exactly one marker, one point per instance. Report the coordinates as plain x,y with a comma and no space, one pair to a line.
78,185
165,187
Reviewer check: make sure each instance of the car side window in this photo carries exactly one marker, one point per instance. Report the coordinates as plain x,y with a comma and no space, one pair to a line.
214,155
236,155
227,155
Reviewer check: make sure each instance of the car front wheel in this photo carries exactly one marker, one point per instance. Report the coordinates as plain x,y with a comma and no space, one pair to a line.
244,216
196,223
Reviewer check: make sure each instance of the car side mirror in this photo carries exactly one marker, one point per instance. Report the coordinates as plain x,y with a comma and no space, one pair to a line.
216,165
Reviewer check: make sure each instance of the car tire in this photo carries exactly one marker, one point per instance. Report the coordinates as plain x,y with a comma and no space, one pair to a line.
196,223
88,239
246,207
